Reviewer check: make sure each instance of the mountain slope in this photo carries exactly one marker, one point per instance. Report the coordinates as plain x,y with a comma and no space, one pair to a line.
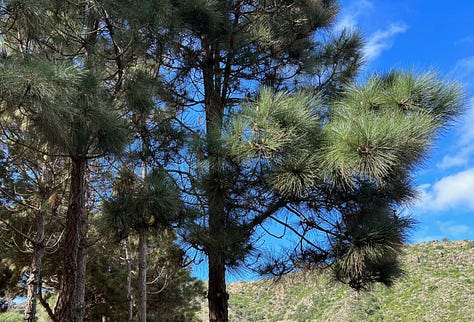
438,286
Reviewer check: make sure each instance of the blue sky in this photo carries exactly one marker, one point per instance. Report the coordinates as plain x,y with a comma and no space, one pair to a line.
423,35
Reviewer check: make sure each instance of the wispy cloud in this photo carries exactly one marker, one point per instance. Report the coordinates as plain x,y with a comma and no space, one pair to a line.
382,40
464,71
447,193
465,40
351,14
452,229
462,155
377,42
464,147
457,160
466,129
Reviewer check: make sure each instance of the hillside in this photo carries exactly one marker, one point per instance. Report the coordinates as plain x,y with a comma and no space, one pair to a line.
438,286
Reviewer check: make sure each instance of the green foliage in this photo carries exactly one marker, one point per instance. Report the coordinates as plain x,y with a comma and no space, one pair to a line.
274,26
279,132
43,89
245,173
139,89
142,204
59,97
95,123
370,253
8,279
178,300
345,174
273,122
203,16
387,125
342,53
172,293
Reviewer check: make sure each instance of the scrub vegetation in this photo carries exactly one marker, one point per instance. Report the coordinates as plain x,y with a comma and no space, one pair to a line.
438,286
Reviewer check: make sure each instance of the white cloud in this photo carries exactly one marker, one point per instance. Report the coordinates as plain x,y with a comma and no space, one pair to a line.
457,160
378,41
452,229
382,40
464,71
464,147
465,41
351,13
467,62
451,191
467,130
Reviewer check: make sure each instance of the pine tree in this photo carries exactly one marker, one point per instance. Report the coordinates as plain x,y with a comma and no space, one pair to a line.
378,134
171,292
50,77
155,145
139,206
225,51
75,57
31,192
282,156
347,173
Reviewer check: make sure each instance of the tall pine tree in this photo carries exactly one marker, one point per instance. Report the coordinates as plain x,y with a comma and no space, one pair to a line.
52,74
224,52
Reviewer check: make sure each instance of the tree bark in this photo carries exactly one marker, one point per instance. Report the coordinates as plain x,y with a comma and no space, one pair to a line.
128,260
142,252
142,248
71,305
34,282
34,279
217,295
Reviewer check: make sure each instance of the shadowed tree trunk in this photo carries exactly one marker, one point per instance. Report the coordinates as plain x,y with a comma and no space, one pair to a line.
71,306
142,249
217,296
34,279
128,260
142,254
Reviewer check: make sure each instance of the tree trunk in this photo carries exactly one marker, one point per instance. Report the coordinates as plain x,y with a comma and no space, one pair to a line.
34,279
216,192
142,248
142,252
71,305
217,295
128,260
